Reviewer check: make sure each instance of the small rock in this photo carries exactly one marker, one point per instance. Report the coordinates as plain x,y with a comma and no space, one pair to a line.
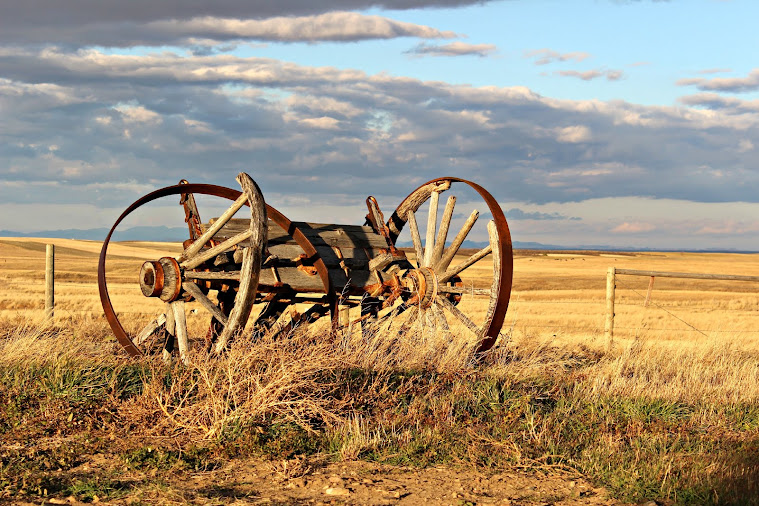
53,500
337,491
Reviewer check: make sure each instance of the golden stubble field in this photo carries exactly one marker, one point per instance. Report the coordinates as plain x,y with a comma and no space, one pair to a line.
557,296
670,413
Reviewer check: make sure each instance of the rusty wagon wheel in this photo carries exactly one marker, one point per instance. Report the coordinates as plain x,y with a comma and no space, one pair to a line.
169,279
437,284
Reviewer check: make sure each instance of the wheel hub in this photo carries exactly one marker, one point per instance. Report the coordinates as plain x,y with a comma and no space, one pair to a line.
423,285
162,279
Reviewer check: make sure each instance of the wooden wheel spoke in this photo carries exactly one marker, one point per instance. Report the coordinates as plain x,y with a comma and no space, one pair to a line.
168,346
460,316
464,290
442,234
449,253
150,329
421,320
440,317
429,242
204,301
193,261
495,286
195,247
213,275
453,271
180,328
415,238
251,269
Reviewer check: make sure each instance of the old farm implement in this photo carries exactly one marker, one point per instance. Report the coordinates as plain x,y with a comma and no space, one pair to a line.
286,273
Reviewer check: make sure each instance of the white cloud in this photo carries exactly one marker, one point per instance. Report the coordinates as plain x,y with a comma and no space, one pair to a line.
205,118
729,84
573,134
325,123
546,56
633,228
589,75
452,49
331,26
138,114
115,23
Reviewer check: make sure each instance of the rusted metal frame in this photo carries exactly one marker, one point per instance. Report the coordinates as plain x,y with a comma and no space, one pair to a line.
490,334
203,189
191,214
376,220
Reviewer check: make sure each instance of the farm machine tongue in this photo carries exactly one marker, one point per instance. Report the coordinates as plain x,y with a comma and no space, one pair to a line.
229,265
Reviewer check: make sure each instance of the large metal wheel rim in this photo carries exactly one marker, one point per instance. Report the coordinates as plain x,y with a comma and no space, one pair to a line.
202,189
499,302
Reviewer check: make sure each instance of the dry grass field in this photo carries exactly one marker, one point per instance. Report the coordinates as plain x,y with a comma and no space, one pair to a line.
670,413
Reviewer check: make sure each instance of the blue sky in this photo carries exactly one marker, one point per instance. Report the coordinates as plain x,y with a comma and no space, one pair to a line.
592,121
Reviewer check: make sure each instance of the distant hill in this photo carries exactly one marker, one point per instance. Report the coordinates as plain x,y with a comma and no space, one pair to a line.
165,234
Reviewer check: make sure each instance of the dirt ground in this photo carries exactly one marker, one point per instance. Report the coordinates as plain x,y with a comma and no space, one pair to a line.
256,481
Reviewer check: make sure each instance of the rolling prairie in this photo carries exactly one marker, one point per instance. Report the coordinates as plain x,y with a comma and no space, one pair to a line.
555,295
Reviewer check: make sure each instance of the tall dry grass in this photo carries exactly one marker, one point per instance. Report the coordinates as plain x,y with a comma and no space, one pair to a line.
419,398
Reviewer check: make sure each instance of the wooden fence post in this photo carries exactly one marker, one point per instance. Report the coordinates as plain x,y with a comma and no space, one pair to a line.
650,289
49,281
610,286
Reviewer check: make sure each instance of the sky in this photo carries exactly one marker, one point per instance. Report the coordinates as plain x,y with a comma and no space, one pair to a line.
592,122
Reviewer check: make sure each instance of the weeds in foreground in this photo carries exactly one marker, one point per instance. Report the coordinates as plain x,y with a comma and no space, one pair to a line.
645,424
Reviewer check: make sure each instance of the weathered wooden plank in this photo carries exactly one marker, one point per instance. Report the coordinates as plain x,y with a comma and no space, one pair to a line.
293,277
354,258
342,236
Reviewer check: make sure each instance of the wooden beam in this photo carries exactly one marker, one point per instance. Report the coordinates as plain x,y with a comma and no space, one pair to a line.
687,275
